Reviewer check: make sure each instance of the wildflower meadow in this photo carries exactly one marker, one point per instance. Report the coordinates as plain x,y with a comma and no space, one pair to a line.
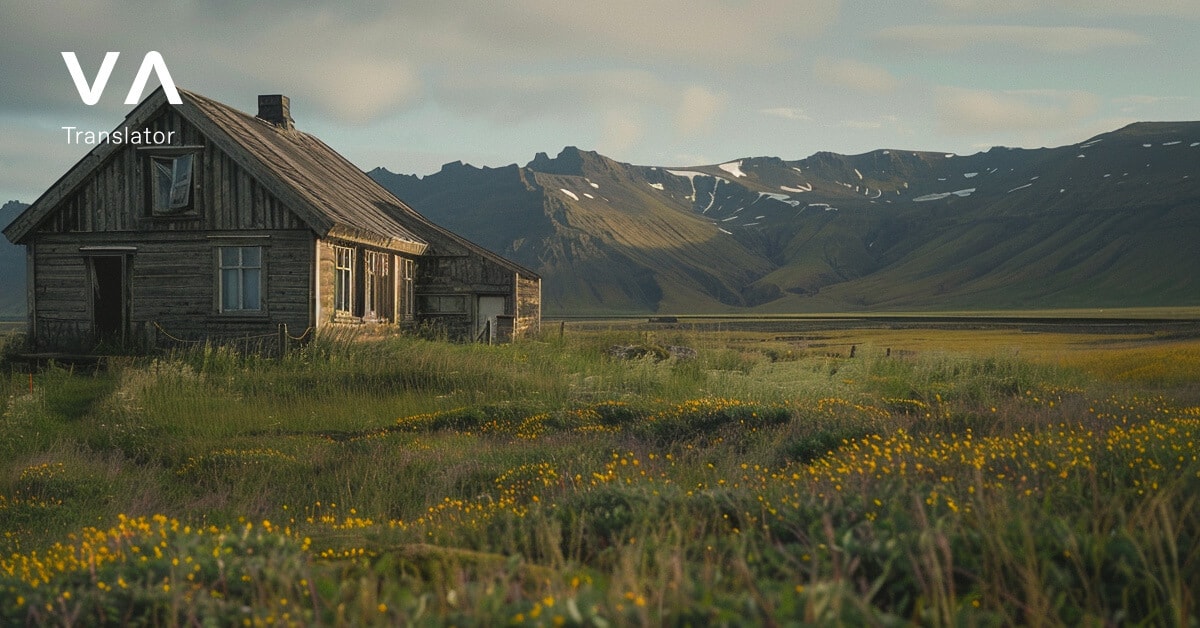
921,478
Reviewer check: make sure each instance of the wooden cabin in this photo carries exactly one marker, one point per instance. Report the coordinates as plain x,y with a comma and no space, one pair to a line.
240,226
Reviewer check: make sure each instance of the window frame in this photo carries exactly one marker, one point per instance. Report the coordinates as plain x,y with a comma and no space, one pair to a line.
441,304
407,276
241,268
151,157
343,289
378,296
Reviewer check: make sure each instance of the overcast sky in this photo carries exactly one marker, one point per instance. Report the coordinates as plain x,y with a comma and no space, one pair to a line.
412,85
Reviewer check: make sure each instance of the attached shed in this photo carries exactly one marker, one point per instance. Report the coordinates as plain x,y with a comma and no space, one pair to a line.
236,226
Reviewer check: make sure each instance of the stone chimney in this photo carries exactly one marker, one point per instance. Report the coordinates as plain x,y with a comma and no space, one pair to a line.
276,109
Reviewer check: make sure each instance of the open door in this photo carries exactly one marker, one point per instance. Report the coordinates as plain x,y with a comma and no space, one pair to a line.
110,298
489,307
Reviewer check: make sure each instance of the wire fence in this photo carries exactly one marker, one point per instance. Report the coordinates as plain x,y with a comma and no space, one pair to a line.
278,342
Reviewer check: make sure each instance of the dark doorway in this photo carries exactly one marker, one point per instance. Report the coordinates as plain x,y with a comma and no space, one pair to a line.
108,298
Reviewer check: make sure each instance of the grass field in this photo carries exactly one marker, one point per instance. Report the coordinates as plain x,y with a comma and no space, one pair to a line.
852,474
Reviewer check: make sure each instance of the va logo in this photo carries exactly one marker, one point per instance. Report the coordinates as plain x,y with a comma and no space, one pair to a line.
90,94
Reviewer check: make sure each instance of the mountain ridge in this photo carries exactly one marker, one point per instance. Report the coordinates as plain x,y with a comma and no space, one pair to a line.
1111,221
1101,223
12,267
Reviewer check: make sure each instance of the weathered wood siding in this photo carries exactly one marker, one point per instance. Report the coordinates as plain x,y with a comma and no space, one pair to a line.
116,197
172,285
172,268
326,278
171,265
465,275
528,320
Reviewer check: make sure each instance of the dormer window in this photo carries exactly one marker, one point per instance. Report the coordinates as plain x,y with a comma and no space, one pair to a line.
171,184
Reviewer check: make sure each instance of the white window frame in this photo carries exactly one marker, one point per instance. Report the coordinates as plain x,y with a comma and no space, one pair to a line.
408,293
343,279
239,270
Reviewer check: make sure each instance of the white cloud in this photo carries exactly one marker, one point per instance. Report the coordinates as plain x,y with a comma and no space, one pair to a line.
1146,100
698,108
1091,8
713,30
356,60
1161,8
622,130
34,154
954,38
856,75
787,113
969,111
869,124
987,6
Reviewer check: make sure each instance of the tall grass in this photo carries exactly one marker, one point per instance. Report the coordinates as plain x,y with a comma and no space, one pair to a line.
402,480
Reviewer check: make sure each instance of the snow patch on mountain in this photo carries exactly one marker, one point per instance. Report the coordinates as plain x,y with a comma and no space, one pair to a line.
734,168
782,198
937,196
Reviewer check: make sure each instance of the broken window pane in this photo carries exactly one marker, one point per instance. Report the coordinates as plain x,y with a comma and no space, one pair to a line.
172,183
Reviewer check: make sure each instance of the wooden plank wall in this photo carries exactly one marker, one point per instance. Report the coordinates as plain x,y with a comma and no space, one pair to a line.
326,268
325,275
173,283
173,270
115,198
529,307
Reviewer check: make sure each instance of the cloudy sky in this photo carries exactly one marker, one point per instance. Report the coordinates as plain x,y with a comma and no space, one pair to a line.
412,85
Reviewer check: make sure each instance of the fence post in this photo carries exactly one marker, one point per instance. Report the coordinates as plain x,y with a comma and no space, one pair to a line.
283,338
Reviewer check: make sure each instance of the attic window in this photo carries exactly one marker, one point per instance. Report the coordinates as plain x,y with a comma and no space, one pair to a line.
171,184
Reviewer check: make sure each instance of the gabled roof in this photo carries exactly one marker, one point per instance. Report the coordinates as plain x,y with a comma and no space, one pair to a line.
330,194
327,192
346,193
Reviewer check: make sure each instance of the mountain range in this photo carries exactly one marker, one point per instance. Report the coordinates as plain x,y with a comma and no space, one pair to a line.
12,267
1113,221
1110,222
